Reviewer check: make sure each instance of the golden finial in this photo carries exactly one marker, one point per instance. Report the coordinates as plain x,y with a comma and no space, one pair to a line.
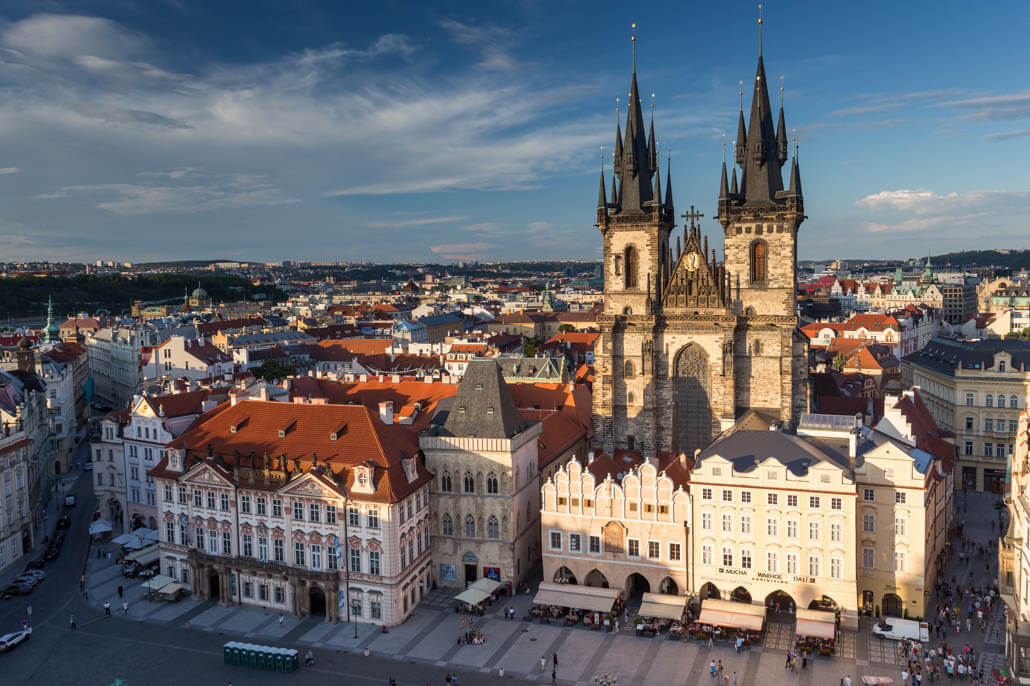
794,132
617,111
740,92
633,38
760,22
781,91
602,160
724,148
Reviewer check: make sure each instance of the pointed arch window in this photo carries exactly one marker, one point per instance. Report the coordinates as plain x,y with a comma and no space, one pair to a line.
470,526
491,483
630,267
759,262
445,482
447,525
629,369
493,529
470,483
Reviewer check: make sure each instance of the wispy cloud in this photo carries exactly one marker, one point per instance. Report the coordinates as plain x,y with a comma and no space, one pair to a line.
461,251
493,42
942,215
993,107
419,221
1006,135
865,109
9,170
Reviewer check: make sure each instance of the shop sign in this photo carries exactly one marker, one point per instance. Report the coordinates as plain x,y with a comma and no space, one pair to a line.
766,576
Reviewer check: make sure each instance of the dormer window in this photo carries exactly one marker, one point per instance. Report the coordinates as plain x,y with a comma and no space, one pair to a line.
363,479
1001,365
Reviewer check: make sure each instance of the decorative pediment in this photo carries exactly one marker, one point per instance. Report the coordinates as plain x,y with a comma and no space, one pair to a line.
205,474
308,485
695,282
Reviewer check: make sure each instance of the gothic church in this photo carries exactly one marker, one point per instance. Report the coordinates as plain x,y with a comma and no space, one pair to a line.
689,344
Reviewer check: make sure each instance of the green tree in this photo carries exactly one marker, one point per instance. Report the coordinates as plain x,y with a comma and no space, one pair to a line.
566,328
1024,334
838,362
530,346
270,371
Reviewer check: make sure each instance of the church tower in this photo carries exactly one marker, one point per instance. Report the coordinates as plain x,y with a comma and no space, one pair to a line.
689,345
760,220
635,224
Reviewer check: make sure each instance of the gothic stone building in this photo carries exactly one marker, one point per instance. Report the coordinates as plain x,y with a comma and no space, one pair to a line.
688,344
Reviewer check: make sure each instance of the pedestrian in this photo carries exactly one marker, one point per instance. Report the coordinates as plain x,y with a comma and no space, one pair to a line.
282,619
734,679
125,607
554,677
107,608
120,591
82,583
72,622
556,660
543,663
711,667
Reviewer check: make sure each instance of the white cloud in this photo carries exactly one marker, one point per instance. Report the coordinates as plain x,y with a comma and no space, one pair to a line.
942,215
493,42
70,36
9,170
418,221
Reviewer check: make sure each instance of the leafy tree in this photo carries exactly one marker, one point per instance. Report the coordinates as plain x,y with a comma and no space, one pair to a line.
530,346
1024,334
838,362
566,328
270,371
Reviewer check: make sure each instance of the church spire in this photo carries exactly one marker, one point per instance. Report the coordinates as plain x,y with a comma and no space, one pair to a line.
602,201
762,178
781,131
668,184
635,166
733,186
741,146
723,187
52,331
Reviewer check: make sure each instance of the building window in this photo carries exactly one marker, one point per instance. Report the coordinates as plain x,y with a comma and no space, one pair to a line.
792,563
226,543
298,510
969,422
727,556
813,502
277,508
170,532
868,558
376,609
869,523
278,550
555,540
355,560
245,504
900,497
899,526
969,448
355,607
654,550
869,495
706,521
354,517
989,424
224,502
792,501
899,561
373,562
447,525
759,254
1013,402
260,501
989,400
674,552
469,483
263,592
182,495
168,493
706,494
1013,426
314,512
316,556
332,562
373,518
212,541
706,554
198,498
727,523
633,547
745,559
745,524
772,499
493,530
836,533
491,483
988,450
628,369
772,562
792,528
248,589
745,497
813,531
298,554
445,482
836,504
814,564
595,544
970,399
772,526
727,495
330,514
210,500
835,567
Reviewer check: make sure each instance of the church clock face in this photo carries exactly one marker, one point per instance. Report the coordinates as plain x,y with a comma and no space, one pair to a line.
692,261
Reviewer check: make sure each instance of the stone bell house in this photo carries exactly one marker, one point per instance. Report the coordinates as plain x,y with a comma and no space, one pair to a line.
306,509
618,522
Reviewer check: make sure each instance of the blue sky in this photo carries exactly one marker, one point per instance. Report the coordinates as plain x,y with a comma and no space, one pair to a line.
410,131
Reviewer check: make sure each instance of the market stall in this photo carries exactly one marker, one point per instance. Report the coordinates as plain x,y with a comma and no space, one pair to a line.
816,631
729,620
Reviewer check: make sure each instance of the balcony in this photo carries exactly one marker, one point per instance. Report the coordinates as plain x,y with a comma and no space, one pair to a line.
254,565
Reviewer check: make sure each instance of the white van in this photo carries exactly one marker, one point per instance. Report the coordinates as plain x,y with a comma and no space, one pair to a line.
897,629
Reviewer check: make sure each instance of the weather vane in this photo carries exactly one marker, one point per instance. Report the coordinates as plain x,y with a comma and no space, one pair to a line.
740,92
781,91
633,38
760,22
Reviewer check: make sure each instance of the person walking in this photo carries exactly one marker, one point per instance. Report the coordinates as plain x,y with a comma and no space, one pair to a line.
71,621
282,620
107,608
120,591
82,583
543,663
125,607
556,660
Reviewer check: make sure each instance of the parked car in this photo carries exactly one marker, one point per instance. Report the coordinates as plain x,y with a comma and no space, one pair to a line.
9,641
897,629
38,563
38,573
15,589
53,552
64,522
32,581
88,467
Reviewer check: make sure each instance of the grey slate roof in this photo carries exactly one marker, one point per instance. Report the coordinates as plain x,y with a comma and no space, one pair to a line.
483,406
441,319
945,355
747,448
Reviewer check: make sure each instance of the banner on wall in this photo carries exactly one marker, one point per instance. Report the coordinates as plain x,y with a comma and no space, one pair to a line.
448,572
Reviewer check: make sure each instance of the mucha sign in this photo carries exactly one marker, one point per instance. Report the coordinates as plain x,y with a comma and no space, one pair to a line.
766,576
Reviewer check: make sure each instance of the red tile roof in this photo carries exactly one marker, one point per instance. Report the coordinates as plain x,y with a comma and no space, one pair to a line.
559,433
929,436
178,404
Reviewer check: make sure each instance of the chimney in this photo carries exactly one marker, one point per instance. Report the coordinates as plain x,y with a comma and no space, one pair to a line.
386,412
234,397
853,443
263,392
590,457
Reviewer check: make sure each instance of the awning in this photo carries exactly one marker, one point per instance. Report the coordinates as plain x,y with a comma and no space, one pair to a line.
486,585
157,582
732,615
815,629
145,556
663,606
100,526
577,597
472,596
171,588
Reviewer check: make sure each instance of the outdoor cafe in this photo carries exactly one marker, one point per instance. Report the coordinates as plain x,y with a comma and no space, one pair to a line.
816,631
728,620
590,606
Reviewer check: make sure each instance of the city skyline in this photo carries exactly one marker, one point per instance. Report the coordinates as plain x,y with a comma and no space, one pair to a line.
470,133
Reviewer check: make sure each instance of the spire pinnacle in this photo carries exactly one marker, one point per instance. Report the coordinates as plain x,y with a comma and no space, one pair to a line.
723,189
733,185
602,201
760,22
668,182
634,39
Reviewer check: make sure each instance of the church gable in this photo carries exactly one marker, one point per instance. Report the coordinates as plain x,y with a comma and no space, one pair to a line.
696,283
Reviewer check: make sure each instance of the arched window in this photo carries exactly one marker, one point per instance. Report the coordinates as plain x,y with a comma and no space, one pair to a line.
630,267
756,348
629,369
447,525
1013,402
491,483
470,483
627,310
759,261
989,401
1001,400
470,526
445,482
493,530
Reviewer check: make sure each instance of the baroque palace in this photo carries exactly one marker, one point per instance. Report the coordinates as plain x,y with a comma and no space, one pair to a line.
709,477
